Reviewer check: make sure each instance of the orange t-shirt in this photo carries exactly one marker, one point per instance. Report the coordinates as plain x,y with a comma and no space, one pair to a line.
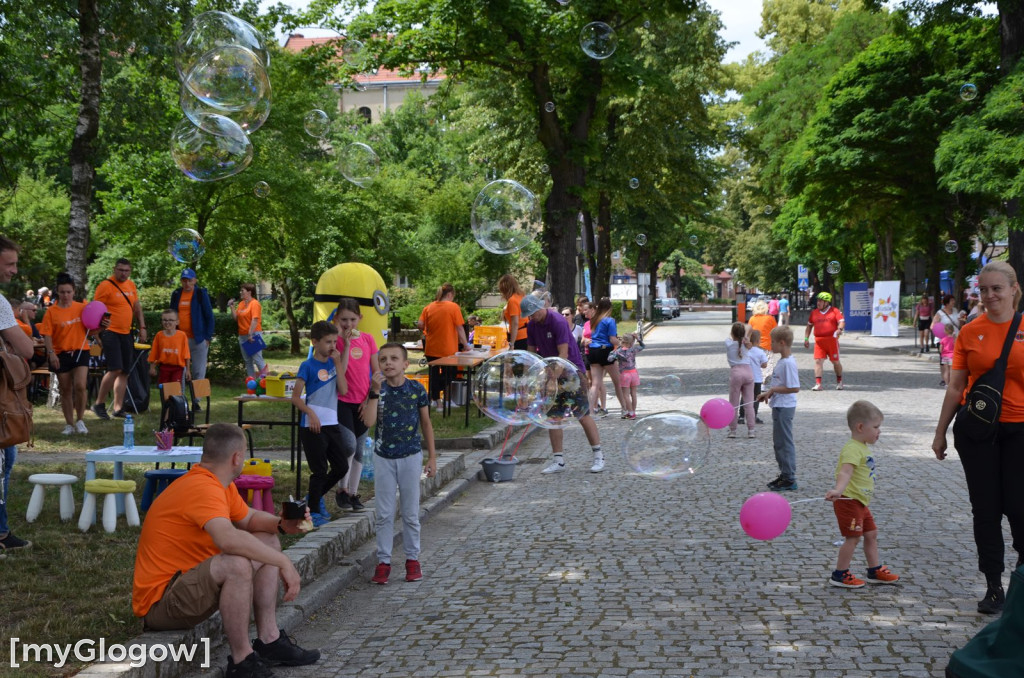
441,321
978,347
25,327
64,327
511,309
173,538
185,313
171,350
121,310
764,324
247,313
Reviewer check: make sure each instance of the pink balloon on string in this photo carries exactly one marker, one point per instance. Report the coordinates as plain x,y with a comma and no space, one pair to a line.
92,314
765,515
939,330
717,413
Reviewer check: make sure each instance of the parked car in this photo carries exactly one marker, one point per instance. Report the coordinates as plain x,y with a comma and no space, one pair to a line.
668,308
753,300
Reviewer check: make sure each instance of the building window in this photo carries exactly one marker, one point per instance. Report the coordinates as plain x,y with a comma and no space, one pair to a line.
366,113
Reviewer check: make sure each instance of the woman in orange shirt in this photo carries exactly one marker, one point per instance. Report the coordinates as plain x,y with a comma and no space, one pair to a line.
510,291
249,315
443,333
67,351
764,323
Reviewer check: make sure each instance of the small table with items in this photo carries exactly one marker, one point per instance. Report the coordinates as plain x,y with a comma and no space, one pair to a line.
140,454
469,361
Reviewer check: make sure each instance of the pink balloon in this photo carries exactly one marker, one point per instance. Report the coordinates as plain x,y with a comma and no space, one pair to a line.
717,413
92,314
939,330
765,516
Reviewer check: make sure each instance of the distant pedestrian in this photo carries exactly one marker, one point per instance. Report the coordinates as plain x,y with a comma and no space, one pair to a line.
741,378
773,307
121,298
248,313
758,363
923,320
781,397
827,323
784,310
443,335
946,344
67,350
169,357
853,491
195,319
515,322
629,378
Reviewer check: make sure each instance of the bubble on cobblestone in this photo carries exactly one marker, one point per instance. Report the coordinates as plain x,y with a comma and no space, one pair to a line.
556,393
501,386
667,445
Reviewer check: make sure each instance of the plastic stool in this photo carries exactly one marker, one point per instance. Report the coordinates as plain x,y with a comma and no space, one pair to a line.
111,488
256,491
67,499
157,481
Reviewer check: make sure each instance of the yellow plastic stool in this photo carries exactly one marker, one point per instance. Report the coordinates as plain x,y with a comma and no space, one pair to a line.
110,488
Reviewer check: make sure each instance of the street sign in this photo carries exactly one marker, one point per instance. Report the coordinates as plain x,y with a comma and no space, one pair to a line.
802,278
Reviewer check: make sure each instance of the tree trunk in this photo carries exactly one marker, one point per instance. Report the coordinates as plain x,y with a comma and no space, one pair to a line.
81,155
652,291
289,313
600,278
560,211
589,245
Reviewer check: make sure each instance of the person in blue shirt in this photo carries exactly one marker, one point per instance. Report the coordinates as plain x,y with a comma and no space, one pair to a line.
604,340
784,310
322,378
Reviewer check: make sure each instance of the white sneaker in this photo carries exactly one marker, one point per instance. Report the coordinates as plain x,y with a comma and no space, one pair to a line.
732,434
68,430
555,467
80,427
750,434
817,387
839,386
598,465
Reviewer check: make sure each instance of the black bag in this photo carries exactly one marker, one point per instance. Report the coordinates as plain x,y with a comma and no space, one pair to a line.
175,416
978,418
995,651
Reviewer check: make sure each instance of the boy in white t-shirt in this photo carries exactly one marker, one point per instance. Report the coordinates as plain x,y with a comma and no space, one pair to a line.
758,361
781,397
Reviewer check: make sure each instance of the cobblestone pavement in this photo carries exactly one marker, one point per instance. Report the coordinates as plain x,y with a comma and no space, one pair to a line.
615,574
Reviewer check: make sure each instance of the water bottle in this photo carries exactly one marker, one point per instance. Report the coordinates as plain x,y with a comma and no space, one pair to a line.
129,433
367,473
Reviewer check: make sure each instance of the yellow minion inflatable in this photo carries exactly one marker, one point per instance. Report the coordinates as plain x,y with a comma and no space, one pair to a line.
361,283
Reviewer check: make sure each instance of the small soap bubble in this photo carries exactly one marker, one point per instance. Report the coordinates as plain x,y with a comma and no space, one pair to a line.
500,386
641,239
640,83
768,209
968,91
186,246
505,217
952,246
550,107
316,123
598,40
544,169
216,149
833,267
667,445
556,393
694,240
354,53
647,24
261,189
634,183
359,164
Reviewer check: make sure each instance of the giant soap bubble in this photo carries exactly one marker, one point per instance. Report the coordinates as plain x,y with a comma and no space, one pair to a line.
598,40
216,149
230,78
667,445
359,164
556,392
506,217
501,386
212,30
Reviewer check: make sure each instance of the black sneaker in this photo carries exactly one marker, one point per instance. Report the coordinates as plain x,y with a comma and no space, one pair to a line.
284,652
357,506
786,486
341,498
774,484
100,410
758,420
11,542
250,667
993,601
197,406
121,414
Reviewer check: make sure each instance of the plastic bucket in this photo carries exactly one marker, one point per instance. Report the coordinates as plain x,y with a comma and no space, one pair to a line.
499,470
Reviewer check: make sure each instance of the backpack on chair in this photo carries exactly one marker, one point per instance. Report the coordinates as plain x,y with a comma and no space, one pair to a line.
175,416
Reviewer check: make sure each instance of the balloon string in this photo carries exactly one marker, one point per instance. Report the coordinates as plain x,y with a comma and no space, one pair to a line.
752,402
801,501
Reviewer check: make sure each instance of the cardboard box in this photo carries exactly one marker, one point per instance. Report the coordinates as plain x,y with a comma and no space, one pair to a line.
280,385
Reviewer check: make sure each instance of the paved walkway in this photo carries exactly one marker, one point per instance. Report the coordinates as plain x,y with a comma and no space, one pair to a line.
615,574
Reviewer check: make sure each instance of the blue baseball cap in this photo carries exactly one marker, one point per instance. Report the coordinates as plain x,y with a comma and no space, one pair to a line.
188,274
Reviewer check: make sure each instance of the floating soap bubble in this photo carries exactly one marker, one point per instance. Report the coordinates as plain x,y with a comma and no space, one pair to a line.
668,387
647,24
249,119
634,183
186,246
550,107
563,2
640,83
359,164
212,30
229,77
544,169
261,189
556,392
598,40
968,91
952,246
216,149
500,386
693,240
667,445
833,267
505,217
316,123
641,239
768,209
354,53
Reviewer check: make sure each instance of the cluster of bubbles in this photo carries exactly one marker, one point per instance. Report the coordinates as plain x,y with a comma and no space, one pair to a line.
519,387
598,40
833,267
951,246
222,63
505,217
186,246
667,445
968,91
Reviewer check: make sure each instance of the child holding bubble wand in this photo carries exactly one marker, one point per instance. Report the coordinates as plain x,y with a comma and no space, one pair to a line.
629,378
855,479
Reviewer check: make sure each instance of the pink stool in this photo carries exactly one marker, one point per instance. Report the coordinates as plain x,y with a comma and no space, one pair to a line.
255,490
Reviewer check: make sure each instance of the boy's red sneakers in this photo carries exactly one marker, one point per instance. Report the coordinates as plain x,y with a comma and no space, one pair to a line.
845,579
413,571
883,575
381,574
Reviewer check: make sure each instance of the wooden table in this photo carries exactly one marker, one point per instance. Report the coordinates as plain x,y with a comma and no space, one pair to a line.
140,454
469,363
292,423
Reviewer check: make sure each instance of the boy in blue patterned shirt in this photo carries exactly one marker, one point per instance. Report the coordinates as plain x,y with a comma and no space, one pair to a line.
403,427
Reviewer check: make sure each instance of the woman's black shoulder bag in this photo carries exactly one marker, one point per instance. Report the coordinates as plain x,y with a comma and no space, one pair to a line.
978,417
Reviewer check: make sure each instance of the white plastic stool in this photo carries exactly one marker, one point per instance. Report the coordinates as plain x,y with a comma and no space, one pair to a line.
111,488
67,499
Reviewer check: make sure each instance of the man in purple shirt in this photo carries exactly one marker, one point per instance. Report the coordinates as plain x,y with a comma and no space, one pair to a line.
548,335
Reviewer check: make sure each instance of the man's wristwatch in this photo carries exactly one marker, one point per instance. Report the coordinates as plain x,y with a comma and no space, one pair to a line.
280,529
372,395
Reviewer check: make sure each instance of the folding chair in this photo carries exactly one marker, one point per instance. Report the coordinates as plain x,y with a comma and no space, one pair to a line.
200,389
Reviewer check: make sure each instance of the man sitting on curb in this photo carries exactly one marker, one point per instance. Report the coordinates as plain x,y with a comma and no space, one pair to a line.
202,549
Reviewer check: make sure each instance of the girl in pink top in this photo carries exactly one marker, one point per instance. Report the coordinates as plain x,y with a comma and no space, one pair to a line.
362,365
